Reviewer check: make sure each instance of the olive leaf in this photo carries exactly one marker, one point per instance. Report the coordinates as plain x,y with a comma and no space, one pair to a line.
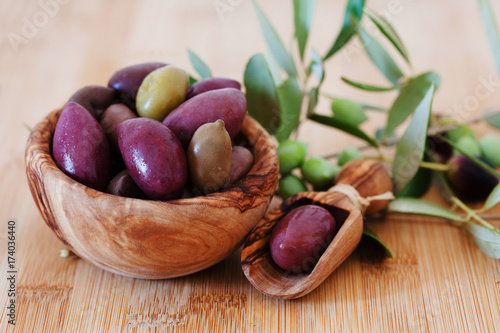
380,136
441,183
418,185
410,148
303,11
370,234
493,199
192,80
492,118
491,29
312,100
367,87
28,127
316,66
473,158
409,99
373,107
198,64
422,207
343,126
290,102
487,240
262,101
388,30
379,55
274,69
280,54
353,11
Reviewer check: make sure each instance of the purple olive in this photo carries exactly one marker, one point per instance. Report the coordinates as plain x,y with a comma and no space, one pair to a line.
228,104
300,238
212,83
95,99
154,157
468,180
123,185
241,163
127,81
80,147
112,117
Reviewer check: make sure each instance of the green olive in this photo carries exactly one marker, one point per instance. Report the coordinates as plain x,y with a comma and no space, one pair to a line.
209,157
490,148
290,185
291,154
348,154
348,111
319,172
162,91
469,145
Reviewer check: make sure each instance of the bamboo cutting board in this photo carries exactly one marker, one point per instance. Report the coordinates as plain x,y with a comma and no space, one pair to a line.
438,282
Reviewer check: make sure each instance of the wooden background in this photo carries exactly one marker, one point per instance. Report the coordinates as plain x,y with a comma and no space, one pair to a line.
438,281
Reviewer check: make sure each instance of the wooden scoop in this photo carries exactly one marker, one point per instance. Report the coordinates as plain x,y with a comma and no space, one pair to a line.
369,178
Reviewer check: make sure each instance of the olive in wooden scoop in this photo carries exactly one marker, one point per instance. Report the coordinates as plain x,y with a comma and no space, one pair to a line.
357,182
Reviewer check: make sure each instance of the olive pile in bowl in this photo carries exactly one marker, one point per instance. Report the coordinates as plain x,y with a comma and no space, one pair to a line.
111,138
197,212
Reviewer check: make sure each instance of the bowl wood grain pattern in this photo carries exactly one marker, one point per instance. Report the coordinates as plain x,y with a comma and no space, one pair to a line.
147,238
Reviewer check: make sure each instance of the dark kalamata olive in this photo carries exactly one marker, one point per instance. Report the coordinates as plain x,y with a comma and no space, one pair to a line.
95,99
468,180
127,81
123,185
154,157
80,147
227,104
112,117
300,238
241,163
212,83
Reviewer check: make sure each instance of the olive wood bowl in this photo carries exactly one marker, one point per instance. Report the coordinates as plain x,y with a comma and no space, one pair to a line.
147,238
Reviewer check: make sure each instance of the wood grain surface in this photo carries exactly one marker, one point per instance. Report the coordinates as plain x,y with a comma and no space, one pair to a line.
438,282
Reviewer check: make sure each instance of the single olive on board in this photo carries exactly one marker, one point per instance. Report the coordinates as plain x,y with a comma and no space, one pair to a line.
241,163
112,117
228,104
127,81
123,185
209,157
95,99
300,238
154,157
162,90
212,83
80,147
